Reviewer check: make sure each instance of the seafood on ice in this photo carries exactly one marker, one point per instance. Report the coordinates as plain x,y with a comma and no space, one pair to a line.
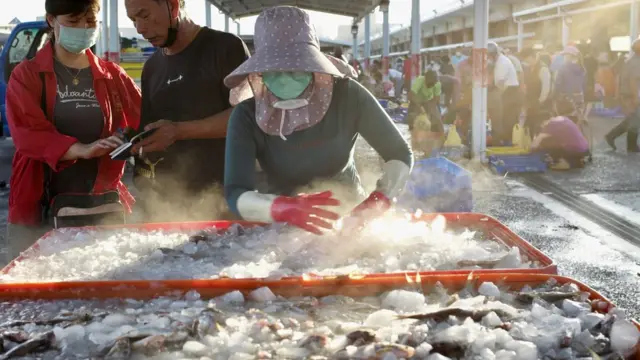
485,322
271,252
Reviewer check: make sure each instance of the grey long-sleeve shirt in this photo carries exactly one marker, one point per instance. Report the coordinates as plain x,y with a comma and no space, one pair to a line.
321,152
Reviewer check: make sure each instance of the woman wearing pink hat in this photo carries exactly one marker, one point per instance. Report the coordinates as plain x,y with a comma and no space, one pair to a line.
301,124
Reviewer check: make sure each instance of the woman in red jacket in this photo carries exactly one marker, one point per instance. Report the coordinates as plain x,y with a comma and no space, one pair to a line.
64,108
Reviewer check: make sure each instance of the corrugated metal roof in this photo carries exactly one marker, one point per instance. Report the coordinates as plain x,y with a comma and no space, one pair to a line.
243,8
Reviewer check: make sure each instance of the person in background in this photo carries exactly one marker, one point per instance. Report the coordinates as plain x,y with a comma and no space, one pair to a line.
629,92
397,78
538,88
301,121
452,92
446,68
64,108
570,84
518,65
425,96
457,58
407,73
338,54
179,169
561,139
590,64
507,86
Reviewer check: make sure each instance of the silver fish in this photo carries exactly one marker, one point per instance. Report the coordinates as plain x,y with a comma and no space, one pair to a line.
39,343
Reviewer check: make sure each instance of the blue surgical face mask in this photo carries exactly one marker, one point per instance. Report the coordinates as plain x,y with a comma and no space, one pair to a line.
287,85
76,40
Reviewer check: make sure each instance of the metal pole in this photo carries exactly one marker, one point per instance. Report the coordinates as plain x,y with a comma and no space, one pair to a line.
520,36
565,30
367,40
415,39
633,21
237,28
385,44
480,80
104,31
354,45
226,23
207,13
114,34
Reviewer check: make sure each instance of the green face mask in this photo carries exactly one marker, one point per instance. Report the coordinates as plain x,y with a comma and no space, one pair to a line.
287,85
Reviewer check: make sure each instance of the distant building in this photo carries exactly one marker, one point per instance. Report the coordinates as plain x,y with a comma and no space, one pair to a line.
15,21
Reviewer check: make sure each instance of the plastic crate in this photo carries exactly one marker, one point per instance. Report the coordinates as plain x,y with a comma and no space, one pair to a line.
490,228
451,152
439,185
384,103
530,163
352,286
608,112
506,150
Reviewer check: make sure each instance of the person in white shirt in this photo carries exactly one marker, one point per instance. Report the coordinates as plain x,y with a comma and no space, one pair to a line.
397,79
506,82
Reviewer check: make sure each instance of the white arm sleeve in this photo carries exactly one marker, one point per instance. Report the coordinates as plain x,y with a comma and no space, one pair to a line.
254,206
394,178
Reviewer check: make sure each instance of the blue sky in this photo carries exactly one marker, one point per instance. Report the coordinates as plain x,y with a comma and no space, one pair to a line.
326,24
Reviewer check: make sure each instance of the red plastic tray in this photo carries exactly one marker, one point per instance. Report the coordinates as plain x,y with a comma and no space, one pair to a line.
338,285
492,229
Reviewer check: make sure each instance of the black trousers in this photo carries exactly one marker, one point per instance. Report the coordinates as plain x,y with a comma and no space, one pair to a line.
511,109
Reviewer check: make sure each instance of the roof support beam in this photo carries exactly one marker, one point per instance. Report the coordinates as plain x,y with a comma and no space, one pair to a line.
553,6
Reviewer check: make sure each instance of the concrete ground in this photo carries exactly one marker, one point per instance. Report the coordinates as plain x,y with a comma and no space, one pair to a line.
581,248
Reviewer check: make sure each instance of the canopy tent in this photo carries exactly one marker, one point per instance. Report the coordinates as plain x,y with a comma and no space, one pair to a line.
356,9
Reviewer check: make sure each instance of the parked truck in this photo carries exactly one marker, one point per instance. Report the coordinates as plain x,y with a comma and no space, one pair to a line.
23,43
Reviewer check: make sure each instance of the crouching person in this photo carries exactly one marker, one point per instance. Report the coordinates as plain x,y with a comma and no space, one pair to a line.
564,143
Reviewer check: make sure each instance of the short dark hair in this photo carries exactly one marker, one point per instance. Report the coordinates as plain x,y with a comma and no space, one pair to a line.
181,3
71,7
430,77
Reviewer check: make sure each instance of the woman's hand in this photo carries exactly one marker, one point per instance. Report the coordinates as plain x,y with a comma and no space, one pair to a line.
93,150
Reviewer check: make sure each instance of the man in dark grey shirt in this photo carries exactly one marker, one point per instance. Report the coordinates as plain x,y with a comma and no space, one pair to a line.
629,90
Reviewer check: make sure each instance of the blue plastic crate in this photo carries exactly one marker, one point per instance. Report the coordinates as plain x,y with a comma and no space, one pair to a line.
450,152
437,184
529,163
384,103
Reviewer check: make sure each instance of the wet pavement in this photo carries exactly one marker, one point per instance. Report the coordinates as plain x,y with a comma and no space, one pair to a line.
582,249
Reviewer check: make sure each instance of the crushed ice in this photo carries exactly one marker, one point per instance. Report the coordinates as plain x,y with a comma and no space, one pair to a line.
555,324
390,244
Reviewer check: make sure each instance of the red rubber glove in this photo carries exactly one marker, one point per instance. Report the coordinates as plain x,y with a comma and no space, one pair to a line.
302,211
377,202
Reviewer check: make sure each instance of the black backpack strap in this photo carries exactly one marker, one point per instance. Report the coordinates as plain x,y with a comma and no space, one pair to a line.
46,195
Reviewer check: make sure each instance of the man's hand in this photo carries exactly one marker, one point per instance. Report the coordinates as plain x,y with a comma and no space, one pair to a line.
165,135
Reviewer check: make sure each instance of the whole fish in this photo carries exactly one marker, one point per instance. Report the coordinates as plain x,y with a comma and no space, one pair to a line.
548,296
443,314
71,319
42,342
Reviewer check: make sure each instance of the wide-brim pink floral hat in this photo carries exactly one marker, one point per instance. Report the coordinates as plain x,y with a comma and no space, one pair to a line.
284,40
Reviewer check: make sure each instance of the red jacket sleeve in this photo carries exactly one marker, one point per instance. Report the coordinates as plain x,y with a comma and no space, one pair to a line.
130,92
33,135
